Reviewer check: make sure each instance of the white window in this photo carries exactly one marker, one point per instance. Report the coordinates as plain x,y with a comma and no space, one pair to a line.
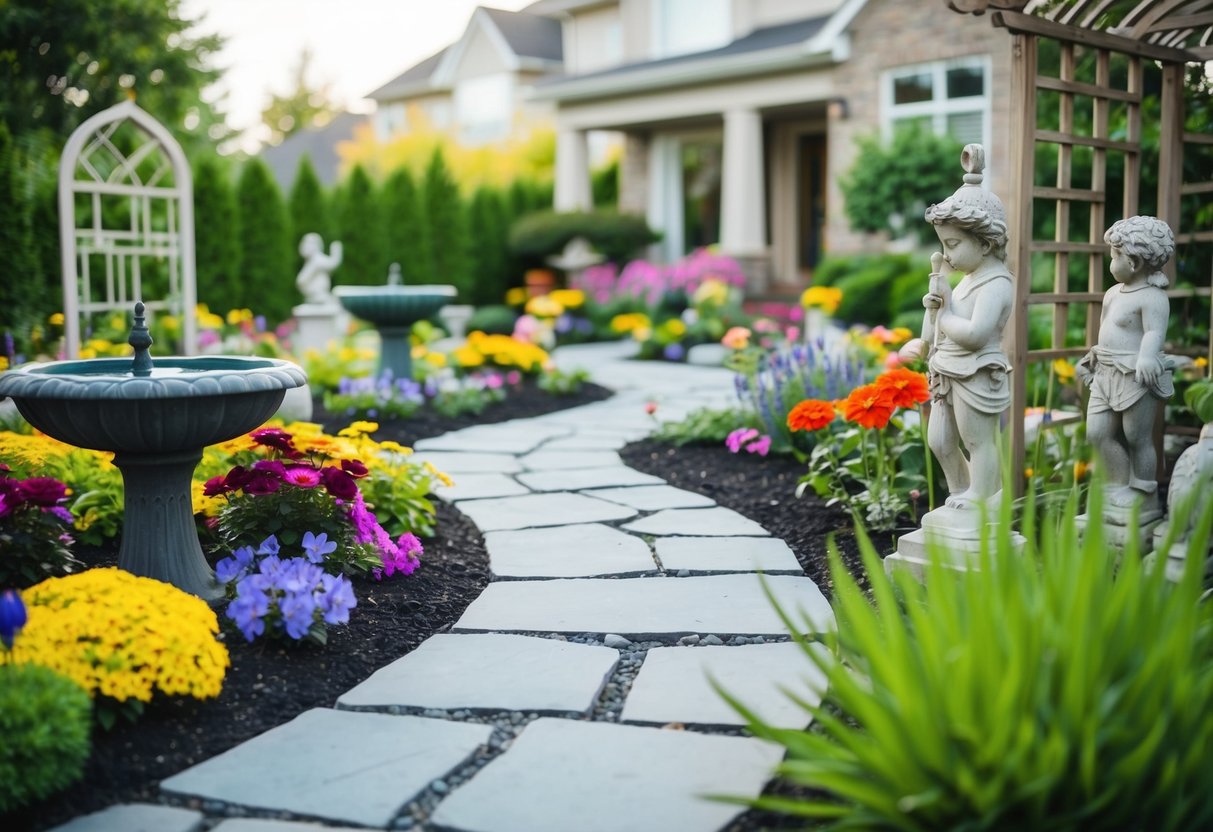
684,26
390,119
484,107
950,97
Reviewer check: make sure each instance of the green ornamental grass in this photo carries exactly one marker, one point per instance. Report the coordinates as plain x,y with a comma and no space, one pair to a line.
1055,689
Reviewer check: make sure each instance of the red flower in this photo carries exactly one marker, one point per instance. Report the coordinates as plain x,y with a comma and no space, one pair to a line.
870,406
42,491
811,414
237,478
354,468
908,388
340,484
275,438
216,486
262,484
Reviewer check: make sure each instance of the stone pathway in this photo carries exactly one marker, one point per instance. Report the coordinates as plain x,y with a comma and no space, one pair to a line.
575,692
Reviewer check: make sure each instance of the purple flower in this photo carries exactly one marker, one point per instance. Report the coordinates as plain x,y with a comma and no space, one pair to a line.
12,616
228,570
62,513
339,483
315,547
269,546
244,556
739,437
674,352
336,599
43,491
249,608
297,575
298,611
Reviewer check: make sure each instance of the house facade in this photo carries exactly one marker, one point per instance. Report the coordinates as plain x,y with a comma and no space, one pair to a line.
739,116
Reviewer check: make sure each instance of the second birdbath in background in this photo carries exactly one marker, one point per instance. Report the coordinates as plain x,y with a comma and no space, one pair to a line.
393,309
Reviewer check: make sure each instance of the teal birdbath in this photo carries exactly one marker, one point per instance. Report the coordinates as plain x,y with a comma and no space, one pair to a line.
156,418
393,309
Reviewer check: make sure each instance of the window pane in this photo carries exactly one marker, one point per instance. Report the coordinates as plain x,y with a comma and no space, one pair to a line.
910,88
965,81
965,127
922,123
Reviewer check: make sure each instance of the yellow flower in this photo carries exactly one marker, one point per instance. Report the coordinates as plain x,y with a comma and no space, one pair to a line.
543,306
825,298
3,362
358,428
395,447
1080,469
1064,370
568,298
438,475
515,296
629,321
236,316
467,356
419,351
56,319
436,359
711,291
1201,361
673,328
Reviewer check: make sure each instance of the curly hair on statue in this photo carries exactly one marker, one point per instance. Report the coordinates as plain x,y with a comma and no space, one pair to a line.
1149,239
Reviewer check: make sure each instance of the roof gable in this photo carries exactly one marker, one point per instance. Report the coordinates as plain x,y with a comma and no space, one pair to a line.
521,41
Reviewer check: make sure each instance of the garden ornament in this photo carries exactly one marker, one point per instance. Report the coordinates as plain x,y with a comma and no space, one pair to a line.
1126,370
315,278
1187,499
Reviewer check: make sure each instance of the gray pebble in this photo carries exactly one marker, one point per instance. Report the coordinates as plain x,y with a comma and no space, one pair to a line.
687,641
439,787
684,573
713,640
616,642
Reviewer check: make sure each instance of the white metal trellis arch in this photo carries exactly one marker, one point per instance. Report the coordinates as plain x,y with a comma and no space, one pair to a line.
123,248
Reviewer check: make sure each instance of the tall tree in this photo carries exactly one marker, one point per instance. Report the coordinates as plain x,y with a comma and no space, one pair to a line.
308,204
22,290
267,282
216,234
360,229
447,220
408,241
490,255
302,107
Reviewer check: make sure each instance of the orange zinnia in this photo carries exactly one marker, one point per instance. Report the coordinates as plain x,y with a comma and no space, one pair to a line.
908,387
870,406
811,414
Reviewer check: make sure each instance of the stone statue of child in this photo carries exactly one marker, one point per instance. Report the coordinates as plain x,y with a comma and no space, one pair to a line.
962,328
315,278
1128,374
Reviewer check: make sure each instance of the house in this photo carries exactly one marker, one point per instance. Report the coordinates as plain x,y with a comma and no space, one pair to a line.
319,144
479,87
739,116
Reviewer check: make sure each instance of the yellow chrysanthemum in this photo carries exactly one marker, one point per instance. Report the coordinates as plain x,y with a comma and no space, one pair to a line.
568,298
1064,370
467,356
359,428
825,298
56,319
435,359
515,296
543,306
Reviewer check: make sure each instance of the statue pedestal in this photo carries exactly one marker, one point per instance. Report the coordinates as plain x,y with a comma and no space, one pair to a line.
960,531
1117,531
318,324
1175,558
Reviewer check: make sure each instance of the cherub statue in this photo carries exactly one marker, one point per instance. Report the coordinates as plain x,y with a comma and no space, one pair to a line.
961,334
1187,497
1128,374
315,278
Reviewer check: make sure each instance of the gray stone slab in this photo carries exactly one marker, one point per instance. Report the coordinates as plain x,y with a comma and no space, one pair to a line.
673,685
454,462
269,825
638,607
562,775
586,442
135,817
480,486
490,672
653,497
537,510
579,551
518,437
356,768
548,460
705,522
574,480
727,554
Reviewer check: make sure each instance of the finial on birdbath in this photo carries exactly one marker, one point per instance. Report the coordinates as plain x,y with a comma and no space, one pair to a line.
393,275
140,339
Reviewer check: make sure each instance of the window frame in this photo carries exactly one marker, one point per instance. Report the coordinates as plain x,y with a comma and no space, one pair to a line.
939,106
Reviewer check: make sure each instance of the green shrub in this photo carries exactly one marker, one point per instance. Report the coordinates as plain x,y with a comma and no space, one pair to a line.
543,234
706,425
44,719
495,320
1052,690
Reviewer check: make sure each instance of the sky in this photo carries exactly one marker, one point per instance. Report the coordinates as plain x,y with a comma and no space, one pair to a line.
357,45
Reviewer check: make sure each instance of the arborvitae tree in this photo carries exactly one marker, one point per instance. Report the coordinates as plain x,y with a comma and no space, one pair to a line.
267,283
447,220
21,290
490,255
360,230
308,204
408,241
216,237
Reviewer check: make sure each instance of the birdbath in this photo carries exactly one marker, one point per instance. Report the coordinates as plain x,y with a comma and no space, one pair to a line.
393,309
156,419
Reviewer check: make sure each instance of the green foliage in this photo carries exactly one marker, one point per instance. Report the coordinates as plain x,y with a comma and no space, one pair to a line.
490,256
877,288
45,720
267,280
1199,397
604,185
216,236
361,232
308,205
562,383
1056,689
886,187
448,228
35,542
495,320
408,241
707,426
22,290
544,234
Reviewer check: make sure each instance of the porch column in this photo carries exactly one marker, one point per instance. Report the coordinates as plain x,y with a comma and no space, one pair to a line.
572,171
743,209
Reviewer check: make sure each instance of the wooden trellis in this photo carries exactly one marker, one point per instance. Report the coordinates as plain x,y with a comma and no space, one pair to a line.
1114,41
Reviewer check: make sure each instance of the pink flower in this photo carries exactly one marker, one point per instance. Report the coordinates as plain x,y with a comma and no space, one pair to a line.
216,486
761,447
340,484
513,378
302,476
650,408
793,333
737,338
275,438
42,491
739,437
892,361
493,381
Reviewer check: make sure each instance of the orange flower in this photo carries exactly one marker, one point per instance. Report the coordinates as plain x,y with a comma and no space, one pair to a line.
870,406
811,414
908,387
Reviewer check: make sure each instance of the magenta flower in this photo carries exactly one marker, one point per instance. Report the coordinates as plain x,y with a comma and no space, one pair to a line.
739,437
43,491
301,476
237,478
340,484
355,468
269,467
275,438
262,484
760,447
216,486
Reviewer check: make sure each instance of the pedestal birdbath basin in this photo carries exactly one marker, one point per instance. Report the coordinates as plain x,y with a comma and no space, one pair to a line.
156,418
393,309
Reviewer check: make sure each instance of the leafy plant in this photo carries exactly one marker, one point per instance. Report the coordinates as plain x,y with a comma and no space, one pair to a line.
1199,397
1055,689
544,234
45,720
561,382
34,528
706,425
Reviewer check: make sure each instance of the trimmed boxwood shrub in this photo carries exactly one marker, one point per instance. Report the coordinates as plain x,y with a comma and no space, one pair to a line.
494,319
538,236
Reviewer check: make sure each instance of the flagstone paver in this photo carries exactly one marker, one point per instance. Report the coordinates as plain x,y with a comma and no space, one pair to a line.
136,817
270,825
586,478
674,685
479,486
727,554
494,672
697,522
562,775
537,510
458,462
639,607
578,551
581,441
652,497
546,460
517,437
357,768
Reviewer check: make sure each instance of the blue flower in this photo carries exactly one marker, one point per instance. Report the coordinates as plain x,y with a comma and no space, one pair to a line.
269,546
12,616
228,570
298,612
315,547
244,556
249,608
336,599
297,575
674,352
